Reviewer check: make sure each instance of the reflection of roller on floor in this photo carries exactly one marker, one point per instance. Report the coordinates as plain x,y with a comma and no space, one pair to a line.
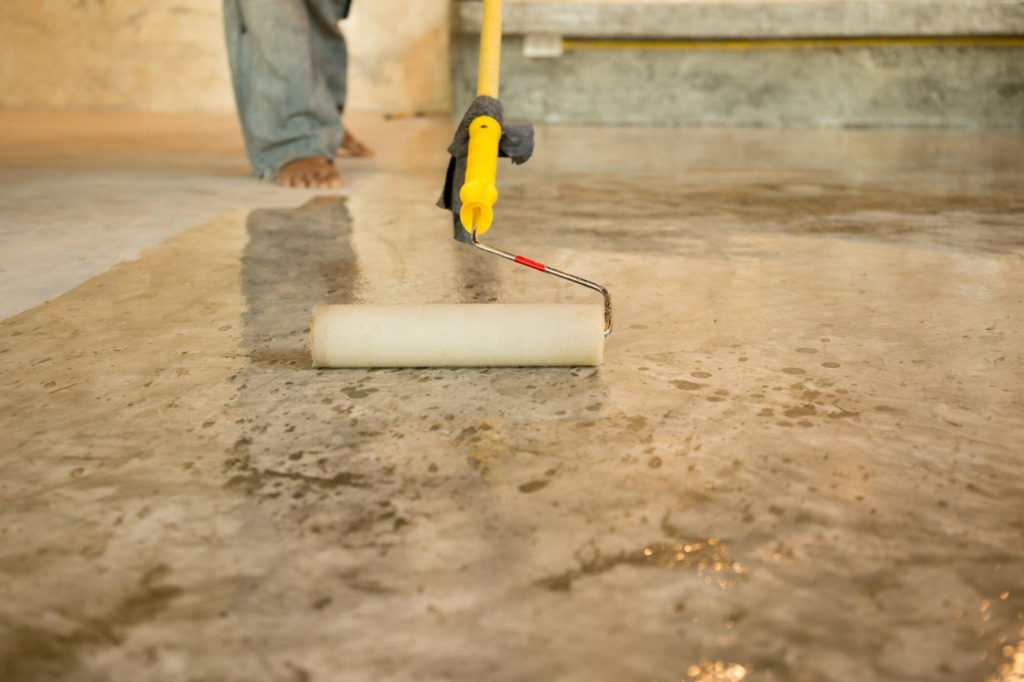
475,335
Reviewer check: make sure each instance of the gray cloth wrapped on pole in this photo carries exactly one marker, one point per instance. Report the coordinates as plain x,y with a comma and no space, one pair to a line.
516,144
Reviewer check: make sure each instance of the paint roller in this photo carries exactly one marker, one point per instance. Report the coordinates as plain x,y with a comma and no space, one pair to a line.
468,335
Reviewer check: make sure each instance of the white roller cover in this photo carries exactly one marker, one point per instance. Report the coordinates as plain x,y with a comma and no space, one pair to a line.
458,335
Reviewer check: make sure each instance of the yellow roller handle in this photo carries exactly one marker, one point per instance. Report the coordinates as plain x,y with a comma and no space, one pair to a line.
478,193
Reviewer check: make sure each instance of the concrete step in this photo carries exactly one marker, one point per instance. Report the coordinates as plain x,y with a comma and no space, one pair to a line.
757,63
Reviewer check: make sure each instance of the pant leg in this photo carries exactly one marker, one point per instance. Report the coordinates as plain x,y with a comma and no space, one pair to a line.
329,50
285,103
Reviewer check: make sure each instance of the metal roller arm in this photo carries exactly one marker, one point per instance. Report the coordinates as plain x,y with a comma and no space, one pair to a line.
552,271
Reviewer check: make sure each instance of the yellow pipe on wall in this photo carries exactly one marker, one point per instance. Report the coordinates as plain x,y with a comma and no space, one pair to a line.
796,43
490,50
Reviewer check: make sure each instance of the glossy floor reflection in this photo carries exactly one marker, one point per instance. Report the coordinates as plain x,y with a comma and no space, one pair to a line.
800,461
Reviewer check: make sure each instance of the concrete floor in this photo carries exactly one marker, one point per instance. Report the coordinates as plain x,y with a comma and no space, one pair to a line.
801,459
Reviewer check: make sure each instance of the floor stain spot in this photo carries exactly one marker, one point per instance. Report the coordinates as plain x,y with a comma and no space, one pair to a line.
805,411
830,365
705,556
687,385
807,351
533,486
700,375
637,423
794,370
251,480
358,393
43,654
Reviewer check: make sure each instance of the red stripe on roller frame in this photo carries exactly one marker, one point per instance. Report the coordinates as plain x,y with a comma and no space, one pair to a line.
530,263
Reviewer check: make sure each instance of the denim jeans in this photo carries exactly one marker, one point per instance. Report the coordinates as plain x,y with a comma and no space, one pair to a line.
288,63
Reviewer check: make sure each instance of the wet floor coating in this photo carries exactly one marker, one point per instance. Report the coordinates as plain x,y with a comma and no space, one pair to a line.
800,460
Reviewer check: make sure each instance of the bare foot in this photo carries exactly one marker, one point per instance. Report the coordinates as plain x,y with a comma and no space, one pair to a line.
315,172
350,146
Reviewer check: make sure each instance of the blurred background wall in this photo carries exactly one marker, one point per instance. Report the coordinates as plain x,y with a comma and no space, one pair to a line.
169,55
800,63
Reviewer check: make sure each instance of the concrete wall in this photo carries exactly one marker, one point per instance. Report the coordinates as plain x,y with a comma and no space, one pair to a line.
169,56
822,63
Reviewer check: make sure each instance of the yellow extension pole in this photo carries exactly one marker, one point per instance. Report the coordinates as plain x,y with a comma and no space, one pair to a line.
490,50
478,193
